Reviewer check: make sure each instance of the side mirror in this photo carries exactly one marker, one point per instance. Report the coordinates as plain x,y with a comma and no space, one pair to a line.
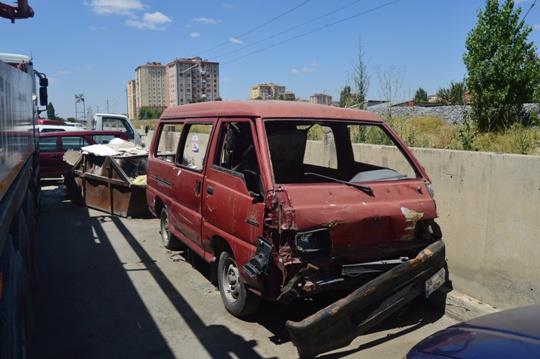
43,82
254,185
43,98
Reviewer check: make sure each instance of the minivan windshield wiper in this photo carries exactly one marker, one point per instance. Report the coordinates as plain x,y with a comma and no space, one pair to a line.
365,189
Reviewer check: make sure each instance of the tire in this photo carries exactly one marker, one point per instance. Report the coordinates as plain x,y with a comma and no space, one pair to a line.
238,300
167,239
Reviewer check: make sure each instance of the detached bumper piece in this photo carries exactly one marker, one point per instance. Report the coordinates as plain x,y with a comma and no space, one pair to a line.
338,324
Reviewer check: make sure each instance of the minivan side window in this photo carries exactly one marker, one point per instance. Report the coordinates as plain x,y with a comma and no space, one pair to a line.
195,141
236,151
168,139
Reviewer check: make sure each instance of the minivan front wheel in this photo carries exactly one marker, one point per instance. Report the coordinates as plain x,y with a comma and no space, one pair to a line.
238,300
167,239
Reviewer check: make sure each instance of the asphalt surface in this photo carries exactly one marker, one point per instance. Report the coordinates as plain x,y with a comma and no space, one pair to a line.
108,289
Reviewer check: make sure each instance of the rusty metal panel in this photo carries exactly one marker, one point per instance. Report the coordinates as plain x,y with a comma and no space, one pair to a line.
101,183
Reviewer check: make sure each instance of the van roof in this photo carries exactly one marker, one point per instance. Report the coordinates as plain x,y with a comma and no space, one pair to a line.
267,109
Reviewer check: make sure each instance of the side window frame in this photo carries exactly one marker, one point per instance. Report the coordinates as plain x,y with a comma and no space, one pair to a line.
219,146
160,131
183,139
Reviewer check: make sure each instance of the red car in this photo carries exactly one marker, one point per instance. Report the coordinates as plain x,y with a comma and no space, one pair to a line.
53,145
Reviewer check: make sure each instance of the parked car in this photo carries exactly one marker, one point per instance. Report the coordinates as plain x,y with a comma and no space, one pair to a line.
288,200
513,333
53,145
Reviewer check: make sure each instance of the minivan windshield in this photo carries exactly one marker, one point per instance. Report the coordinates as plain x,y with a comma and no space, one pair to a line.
321,151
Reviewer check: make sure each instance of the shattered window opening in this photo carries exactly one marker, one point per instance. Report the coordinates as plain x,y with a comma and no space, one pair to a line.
307,150
168,139
236,151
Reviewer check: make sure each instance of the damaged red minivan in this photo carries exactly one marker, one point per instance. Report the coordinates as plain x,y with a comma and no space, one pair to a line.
290,199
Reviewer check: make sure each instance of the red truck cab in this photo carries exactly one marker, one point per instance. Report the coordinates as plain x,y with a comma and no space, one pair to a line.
284,197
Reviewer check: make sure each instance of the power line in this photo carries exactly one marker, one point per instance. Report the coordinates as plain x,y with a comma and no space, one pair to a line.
290,29
315,30
286,12
529,10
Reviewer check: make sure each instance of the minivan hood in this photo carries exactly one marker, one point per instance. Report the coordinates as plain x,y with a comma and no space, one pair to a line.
356,219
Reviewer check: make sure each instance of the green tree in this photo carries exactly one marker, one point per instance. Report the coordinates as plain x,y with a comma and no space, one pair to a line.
51,113
502,65
346,97
150,113
454,94
420,96
360,78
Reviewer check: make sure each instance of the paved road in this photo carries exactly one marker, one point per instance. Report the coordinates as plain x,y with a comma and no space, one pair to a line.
108,289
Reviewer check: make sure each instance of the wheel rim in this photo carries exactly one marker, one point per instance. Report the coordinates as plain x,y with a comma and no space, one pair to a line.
231,281
164,228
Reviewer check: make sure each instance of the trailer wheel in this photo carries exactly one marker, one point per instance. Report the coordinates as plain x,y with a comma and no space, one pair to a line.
238,300
167,238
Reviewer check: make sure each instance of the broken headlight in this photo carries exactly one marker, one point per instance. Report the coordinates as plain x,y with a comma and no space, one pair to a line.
315,241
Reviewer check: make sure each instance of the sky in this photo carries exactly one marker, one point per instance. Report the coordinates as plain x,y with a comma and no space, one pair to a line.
92,47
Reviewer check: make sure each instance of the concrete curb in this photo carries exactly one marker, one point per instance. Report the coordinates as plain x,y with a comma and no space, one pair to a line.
460,306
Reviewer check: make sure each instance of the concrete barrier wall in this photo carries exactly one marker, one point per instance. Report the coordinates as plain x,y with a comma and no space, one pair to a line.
489,211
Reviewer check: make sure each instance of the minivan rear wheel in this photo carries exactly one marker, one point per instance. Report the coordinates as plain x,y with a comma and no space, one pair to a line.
238,300
167,238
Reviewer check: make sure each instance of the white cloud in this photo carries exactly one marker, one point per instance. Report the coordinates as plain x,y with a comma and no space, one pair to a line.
150,21
194,35
234,40
536,27
306,69
120,7
206,20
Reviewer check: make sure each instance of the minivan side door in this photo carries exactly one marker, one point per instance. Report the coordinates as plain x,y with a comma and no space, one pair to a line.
233,192
186,216
162,161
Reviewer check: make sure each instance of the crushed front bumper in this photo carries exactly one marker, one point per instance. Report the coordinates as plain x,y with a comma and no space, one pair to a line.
338,324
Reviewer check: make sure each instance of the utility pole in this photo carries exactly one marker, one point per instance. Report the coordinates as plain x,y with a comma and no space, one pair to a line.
108,105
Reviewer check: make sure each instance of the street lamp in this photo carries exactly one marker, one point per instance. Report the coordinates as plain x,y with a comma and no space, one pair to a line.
79,98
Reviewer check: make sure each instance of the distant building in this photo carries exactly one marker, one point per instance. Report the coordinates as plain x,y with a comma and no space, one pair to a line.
192,80
321,99
150,86
266,91
287,96
132,99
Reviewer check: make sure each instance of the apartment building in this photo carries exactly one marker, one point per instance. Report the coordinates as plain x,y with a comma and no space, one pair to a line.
132,99
266,91
321,99
150,85
192,80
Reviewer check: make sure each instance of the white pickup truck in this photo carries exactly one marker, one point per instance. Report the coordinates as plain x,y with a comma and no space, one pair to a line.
114,122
